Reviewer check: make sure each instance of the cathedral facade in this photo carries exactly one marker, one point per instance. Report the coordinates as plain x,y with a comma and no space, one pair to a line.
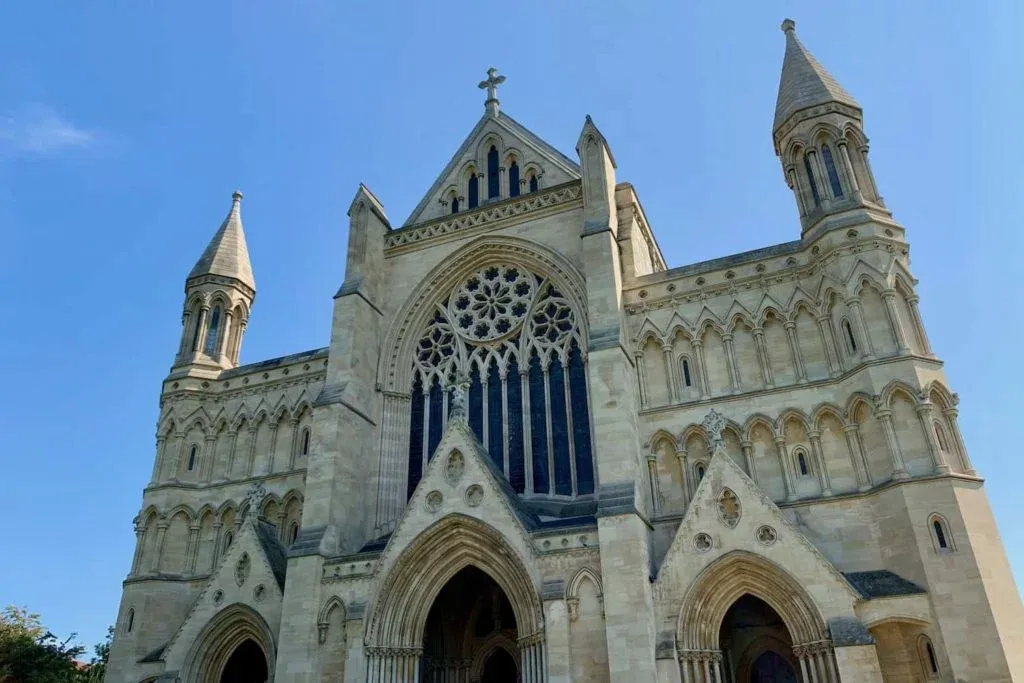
534,452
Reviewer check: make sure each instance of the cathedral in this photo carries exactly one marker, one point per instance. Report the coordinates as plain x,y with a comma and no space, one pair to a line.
534,452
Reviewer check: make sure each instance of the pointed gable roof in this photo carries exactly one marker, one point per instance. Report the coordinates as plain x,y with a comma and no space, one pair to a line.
804,82
558,168
227,255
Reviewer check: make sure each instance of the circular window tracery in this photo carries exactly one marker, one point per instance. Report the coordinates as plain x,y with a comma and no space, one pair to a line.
492,303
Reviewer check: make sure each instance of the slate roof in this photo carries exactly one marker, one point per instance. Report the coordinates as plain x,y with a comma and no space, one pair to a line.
226,254
882,583
804,82
275,553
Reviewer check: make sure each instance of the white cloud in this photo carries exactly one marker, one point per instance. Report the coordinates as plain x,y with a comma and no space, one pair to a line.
36,129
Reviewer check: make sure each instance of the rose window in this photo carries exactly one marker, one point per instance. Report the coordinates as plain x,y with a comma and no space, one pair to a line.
492,303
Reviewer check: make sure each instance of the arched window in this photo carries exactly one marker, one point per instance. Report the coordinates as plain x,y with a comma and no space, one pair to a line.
940,534
534,185
493,179
940,436
211,333
513,179
851,342
810,179
801,463
524,364
455,204
304,444
193,451
293,532
130,621
833,175
195,331
700,471
228,537
687,380
473,191
929,662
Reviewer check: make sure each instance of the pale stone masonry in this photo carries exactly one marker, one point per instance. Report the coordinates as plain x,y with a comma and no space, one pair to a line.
533,452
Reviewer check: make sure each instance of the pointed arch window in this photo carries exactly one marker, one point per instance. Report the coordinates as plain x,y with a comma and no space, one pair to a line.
130,621
687,378
851,341
534,184
513,179
700,470
833,175
940,436
293,532
940,534
473,191
211,333
810,179
228,537
193,452
196,328
493,178
930,662
455,205
801,463
304,444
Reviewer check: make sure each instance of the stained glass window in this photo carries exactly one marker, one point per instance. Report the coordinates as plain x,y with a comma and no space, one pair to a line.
211,334
830,168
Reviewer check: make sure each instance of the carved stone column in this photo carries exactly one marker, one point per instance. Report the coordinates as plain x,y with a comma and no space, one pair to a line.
787,469
250,456
652,473
824,480
684,465
835,364
670,374
951,417
274,423
730,358
175,464
871,176
889,298
225,334
201,337
192,549
183,346
140,531
217,525
158,461
925,414
899,470
641,376
209,454
860,464
233,435
851,176
820,179
794,349
794,184
915,313
702,368
293,449
158,546
853,303
762,356
748,457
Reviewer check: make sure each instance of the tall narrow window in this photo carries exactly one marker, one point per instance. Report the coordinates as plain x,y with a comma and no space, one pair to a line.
211,334
851,341
940,435
801,461
810,179
473,191
933,664
304,448
534,186
513,179
228,537
293,532
686,373
700,471
833,175
192,457
195,331
493,179
940,535
131,621
455,204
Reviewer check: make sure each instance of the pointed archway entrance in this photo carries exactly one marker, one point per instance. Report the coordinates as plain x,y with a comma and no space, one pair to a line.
756,645
245,665
471,632
459,579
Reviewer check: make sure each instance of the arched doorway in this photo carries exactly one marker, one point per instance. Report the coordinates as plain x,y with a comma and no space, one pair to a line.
245,665
470,629
756,645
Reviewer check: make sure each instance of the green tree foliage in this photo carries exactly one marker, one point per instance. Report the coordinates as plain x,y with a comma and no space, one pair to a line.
29,653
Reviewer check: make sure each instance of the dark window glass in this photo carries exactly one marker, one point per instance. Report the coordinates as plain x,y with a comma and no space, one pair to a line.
455,204
227,540
211,334
305,442
416,436
810,179
473,192
195,331
931,658
849,336
940,534
293,531
513,179
516,461
830,168
192,458
476,404
560,429
493,184
686,373
802,462
131,620
533,183
436,417
495,437
580,421
538,426
700,472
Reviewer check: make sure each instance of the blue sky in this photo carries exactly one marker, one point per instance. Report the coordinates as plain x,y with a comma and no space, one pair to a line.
125,126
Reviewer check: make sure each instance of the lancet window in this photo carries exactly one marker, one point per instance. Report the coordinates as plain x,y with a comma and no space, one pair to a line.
830,169
514,342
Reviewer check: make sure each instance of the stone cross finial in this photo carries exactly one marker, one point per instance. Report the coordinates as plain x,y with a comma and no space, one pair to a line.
254,498
491,86
713,424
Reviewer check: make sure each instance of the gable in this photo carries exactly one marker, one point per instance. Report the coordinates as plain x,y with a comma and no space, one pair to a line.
512,141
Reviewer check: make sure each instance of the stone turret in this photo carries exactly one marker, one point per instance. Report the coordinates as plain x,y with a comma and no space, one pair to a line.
219,293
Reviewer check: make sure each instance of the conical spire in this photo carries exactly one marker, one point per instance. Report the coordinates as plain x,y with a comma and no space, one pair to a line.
804,82
227,255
